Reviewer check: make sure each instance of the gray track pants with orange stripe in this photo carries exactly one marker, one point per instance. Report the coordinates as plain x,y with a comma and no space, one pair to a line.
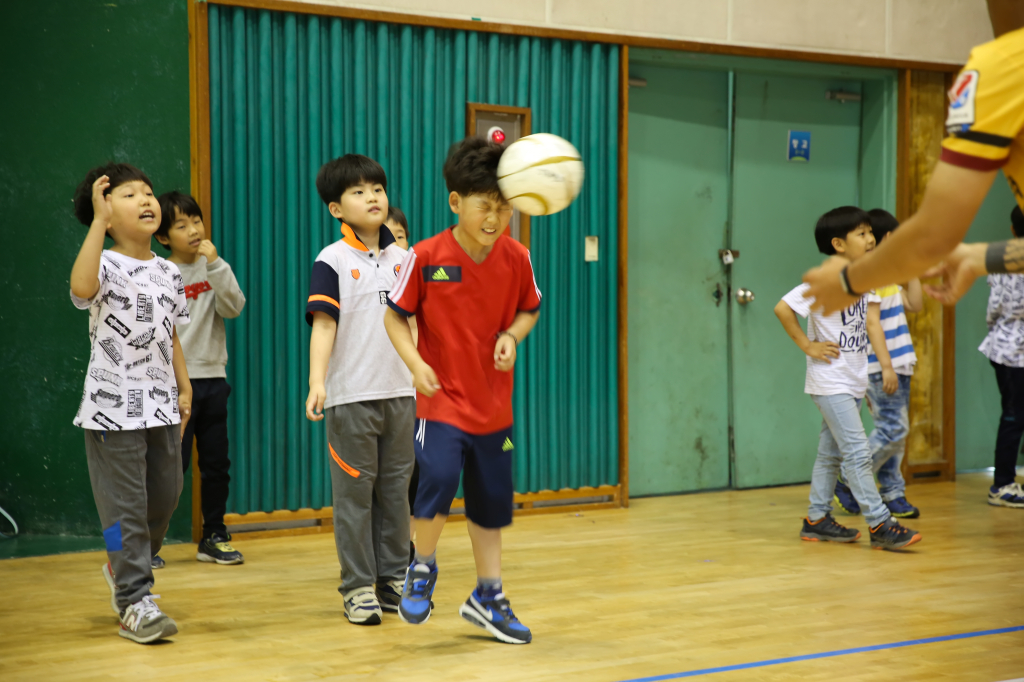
371,456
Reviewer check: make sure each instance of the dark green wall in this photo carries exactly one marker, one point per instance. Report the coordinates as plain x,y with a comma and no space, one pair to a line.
85,81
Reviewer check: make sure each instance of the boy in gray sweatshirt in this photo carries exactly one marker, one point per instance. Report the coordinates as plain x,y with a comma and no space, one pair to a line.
213,294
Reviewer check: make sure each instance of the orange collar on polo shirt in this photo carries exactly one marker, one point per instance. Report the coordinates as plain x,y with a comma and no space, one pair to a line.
349,236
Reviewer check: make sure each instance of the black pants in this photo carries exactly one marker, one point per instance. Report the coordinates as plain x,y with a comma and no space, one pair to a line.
209,425
1011,423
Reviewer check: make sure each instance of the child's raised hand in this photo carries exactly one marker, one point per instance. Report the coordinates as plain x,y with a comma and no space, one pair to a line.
315,403
823,350
101,208
505,353
424,379
890,382
206,248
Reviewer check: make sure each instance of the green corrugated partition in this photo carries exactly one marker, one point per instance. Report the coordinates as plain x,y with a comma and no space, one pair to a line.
288,92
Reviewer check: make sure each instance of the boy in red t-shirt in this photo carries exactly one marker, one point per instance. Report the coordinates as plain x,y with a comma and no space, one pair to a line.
473,293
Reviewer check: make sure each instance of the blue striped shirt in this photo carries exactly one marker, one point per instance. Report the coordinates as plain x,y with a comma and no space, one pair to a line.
897,333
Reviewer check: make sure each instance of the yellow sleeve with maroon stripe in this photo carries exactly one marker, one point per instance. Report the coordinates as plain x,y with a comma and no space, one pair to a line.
986,111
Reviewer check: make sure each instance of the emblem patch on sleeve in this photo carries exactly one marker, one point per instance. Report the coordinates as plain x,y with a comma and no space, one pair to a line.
961,102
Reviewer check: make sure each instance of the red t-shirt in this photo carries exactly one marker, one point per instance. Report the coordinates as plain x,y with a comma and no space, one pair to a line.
460,307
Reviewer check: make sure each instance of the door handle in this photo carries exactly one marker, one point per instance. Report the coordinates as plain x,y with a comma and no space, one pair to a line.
744,296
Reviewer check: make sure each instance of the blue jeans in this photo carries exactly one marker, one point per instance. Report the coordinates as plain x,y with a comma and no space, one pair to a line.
889,437
844,445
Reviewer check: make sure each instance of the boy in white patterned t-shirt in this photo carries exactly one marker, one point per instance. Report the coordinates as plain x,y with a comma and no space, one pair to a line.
890,368
836,349
137,391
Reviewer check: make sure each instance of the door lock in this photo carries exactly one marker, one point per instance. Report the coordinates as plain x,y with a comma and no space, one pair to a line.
744,296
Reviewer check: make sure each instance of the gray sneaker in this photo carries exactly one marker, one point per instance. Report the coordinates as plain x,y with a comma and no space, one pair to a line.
362,607
144,622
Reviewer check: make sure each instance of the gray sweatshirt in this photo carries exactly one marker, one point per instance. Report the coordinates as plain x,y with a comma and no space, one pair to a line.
213,294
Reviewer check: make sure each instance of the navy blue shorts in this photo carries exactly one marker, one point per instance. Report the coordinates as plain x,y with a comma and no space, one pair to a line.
443,452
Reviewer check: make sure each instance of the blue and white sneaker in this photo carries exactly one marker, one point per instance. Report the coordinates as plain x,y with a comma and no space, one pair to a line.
495,615
845,500
362,607
1008,496
415,606
902,509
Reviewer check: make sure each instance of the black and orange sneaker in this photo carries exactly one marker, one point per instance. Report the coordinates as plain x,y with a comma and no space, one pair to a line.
826,529
891,535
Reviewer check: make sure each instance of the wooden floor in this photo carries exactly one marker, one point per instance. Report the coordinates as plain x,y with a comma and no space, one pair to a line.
671,585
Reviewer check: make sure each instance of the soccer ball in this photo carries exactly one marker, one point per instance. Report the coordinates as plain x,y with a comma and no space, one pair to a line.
540,174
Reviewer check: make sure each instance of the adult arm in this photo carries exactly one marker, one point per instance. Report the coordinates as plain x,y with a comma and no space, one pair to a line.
950,203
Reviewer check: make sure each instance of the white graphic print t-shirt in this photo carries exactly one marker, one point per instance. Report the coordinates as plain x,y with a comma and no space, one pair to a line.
847,374
1004,344
130,382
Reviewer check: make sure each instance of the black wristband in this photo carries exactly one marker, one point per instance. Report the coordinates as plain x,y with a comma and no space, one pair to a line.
844,280
508,333
995,258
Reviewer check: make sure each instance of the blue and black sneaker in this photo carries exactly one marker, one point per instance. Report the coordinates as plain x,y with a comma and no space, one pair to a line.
415,606
902,509
845,500
1011,495
495,615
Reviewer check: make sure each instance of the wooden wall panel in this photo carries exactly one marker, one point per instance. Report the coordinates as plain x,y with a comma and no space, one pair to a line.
929,454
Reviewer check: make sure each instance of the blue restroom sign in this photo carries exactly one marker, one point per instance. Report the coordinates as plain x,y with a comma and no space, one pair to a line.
799,145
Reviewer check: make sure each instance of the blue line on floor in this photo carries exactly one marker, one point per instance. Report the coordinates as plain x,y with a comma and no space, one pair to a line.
826,654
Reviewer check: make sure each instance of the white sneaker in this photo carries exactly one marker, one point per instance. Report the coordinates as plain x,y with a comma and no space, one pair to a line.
1011,495
144,622
108,575
362,607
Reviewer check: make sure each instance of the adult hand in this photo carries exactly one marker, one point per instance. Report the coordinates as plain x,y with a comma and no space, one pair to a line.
826,289
958,272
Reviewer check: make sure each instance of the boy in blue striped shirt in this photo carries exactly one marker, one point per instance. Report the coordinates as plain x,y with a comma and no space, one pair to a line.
890,367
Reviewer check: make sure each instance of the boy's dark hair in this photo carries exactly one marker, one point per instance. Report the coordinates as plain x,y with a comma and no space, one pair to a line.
119,174
882,223
1017,221
338,175
396,214
184,203
838,222
472,167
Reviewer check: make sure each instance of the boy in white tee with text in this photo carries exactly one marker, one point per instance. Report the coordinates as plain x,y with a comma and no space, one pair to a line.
836,348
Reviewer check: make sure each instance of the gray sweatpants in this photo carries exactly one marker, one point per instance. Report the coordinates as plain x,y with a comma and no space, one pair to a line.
371,457
136,480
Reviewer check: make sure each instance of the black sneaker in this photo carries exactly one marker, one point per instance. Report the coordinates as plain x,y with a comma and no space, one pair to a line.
216,550
845,500
826,529
891,535
157,562
495,615
902,509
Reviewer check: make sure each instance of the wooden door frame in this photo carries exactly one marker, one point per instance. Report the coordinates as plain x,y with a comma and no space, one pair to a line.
199,114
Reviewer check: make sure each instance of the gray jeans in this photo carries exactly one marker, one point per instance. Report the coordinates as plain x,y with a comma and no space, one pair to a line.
136,480
371,458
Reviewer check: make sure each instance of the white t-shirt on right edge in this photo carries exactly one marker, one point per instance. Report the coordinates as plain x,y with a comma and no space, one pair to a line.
848,374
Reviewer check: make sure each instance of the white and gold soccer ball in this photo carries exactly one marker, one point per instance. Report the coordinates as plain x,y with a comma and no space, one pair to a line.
540,174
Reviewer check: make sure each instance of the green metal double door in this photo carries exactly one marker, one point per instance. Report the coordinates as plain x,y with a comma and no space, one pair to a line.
715,384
